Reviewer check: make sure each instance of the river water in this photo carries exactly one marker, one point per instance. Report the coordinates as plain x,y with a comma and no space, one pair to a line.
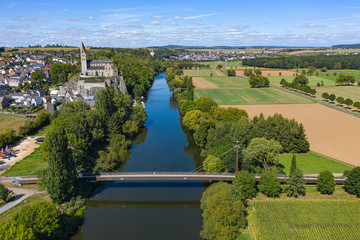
151,210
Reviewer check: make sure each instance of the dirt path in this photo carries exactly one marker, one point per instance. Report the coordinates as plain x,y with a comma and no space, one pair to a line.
22,149
330,132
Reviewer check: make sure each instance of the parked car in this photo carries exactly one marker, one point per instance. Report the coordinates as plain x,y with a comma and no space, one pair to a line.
40,139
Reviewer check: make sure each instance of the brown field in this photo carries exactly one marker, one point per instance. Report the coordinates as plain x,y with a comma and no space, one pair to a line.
10,121
271,73
330,132
200,82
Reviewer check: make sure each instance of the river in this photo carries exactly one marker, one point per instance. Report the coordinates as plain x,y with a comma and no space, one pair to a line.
151,210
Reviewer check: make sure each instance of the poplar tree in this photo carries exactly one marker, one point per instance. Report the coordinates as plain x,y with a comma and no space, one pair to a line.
293,164
61,178
295,184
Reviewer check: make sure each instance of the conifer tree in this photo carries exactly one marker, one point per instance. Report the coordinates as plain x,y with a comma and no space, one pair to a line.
61,178
295,184
293,164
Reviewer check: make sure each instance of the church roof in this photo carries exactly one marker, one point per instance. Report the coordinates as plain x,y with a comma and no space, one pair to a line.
82,47
102,61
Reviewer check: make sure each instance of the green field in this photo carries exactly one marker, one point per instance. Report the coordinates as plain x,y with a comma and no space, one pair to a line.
313,80
329,74
212,64
11,121
304,219
203,73
250,96
352,92
224,82
312,162
234,64
28,165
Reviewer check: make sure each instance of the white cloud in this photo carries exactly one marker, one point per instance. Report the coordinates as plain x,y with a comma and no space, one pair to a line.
62,11
154,23
173,23
91,18
311,25
201,16
37,19
157,17
73,19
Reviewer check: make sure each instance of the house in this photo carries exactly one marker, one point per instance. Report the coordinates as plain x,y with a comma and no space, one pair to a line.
15,81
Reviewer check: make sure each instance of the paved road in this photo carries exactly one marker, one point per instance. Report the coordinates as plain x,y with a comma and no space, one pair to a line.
22,194
318,101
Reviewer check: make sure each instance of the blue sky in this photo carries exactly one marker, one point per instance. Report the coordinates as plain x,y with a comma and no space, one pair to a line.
141,23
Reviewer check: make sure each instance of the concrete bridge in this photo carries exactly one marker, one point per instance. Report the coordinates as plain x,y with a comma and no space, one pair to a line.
168,176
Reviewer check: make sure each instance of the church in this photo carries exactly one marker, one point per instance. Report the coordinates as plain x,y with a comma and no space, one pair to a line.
92,68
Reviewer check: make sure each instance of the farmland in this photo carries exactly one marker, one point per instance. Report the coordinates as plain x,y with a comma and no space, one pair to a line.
11,121
228,82
312,162
233,64
313,80
329,131
352,92
244,96
304,219
203,73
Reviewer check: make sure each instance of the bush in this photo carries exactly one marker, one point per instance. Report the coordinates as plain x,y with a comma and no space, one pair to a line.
326,183
295,184
243,186
4,193
269,184
352,183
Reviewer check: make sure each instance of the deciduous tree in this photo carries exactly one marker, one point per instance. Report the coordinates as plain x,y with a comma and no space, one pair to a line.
326,183
243,186
269,184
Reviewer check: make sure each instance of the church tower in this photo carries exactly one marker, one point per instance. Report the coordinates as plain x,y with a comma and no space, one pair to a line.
83,59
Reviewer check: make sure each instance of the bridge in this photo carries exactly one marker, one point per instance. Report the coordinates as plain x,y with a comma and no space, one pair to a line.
168,176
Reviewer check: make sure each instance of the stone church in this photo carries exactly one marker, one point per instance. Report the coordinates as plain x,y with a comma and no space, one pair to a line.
101,68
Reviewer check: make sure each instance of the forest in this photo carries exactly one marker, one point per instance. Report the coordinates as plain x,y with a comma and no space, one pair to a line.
317,61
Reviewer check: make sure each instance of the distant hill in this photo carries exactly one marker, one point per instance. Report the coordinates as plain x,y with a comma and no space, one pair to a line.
346,46
223,47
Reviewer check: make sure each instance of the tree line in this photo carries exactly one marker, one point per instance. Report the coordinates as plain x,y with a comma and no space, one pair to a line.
317,61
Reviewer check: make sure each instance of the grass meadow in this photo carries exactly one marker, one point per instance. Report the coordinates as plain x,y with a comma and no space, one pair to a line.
28,165
352,92
225,82
312,162
234,64
250,96
203,72
304,219
313,80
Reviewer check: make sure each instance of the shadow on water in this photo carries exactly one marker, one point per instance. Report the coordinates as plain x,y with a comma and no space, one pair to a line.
151,210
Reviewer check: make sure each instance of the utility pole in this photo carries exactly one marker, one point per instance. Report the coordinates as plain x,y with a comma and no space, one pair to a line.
237,157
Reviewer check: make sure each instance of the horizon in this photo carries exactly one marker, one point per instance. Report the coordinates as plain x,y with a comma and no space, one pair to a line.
140,24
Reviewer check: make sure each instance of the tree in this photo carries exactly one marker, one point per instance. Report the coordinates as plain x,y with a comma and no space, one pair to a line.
326,183
301,80
293,164
332,97
258,81
352,183
262,153
38,76
340,100
11,229
269,184
243,186
325,96
61,178
4,193
231,72
222,217
193,118
345,79
43,218
213,164
324,69
348,102
295,184
257,72
219,66
205,104
357,105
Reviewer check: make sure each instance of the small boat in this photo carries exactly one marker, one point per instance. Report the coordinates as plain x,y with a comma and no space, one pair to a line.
143,104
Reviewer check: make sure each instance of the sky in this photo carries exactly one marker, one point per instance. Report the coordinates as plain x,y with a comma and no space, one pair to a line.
144,23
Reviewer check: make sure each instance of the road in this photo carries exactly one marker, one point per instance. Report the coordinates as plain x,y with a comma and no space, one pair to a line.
22,194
